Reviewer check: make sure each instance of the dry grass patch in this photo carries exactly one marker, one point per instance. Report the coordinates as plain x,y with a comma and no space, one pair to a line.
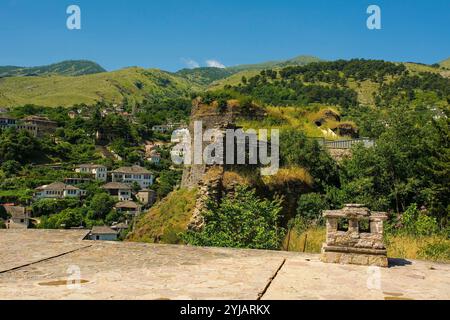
432,248
163,222
289,175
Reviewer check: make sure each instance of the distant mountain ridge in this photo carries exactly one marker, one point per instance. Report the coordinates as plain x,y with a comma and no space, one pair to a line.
297,61
64,68
206,76
79,81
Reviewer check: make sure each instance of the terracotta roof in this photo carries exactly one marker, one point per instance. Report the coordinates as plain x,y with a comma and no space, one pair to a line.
116,185
127,205
132,170
103,230
57,186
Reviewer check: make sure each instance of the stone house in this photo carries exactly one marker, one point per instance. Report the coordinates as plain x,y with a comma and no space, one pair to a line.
58,190
99,172
20,217
141,176
73,181
44,125
120,190
147,197
154,157
103,233
7,122
128,207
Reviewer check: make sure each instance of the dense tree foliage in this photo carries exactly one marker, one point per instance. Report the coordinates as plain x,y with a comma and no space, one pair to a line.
340,70
296,92
159,112
297,150
409,164
18,146
241,220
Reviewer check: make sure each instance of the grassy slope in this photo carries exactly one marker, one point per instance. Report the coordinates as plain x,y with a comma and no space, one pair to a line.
445,63
297,61
233,80
165,220
204,76
110,87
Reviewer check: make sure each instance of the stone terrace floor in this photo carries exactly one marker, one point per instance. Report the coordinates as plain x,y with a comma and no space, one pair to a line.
37,264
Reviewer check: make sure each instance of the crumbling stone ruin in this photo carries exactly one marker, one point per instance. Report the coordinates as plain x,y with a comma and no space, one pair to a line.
355,236
208,178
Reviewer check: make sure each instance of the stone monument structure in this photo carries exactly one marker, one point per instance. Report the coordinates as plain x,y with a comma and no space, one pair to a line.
355,236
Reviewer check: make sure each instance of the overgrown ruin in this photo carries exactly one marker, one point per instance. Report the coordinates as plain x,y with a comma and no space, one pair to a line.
355,236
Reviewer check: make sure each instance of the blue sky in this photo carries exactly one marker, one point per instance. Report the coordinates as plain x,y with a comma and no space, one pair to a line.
167,34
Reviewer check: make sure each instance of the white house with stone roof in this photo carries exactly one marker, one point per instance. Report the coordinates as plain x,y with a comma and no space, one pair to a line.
99,172
58,190
118,189
103,233
129,175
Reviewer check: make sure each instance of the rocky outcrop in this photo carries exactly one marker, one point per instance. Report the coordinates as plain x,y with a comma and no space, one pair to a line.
208,179
347,130
209,189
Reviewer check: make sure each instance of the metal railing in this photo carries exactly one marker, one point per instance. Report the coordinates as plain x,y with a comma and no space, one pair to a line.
345,144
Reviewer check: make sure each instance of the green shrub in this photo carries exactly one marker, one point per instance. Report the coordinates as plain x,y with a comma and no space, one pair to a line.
241,220
417,223
310,206
68,218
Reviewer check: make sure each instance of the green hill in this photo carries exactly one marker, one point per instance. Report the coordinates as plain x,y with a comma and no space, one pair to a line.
204,76
65,68
208,76
133,84
445,63
75,82
297,61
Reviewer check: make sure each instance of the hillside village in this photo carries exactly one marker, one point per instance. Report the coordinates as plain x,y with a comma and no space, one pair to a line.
128,186
355,131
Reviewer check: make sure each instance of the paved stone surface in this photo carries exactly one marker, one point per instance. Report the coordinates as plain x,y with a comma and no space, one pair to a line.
310,279
22,247
110,270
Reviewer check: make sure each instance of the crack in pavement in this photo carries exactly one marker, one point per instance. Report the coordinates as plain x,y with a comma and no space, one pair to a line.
43,260
262,293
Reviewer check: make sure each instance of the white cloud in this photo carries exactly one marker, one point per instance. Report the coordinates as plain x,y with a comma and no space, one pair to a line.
215,64
192,64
